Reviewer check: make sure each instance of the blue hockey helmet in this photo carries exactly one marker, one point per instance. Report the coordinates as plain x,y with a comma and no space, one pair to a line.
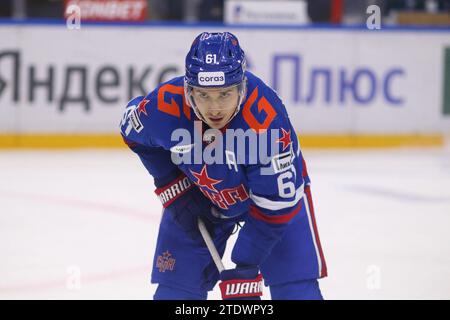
215,60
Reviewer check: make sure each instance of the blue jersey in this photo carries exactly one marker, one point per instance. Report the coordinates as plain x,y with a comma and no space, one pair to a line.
261,181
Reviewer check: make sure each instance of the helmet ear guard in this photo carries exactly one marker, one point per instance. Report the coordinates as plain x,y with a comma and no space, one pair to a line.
190,99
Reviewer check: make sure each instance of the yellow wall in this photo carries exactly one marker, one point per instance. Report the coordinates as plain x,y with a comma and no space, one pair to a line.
55,141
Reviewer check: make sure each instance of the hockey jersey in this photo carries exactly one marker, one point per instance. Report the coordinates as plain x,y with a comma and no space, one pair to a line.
252,169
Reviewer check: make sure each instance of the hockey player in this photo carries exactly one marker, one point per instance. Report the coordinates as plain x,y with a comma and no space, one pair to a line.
176,130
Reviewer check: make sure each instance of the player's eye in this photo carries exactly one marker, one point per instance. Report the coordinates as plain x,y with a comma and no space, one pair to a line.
225,94
202,95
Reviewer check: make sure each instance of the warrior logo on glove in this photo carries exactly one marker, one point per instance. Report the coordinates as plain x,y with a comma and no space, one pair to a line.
241,288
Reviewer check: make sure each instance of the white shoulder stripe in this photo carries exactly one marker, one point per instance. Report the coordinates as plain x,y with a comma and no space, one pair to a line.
277,205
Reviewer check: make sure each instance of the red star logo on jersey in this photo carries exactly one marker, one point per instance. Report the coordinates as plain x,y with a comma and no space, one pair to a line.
203,180
285,139
142,107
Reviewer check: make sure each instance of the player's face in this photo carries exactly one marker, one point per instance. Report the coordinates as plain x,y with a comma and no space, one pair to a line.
216,105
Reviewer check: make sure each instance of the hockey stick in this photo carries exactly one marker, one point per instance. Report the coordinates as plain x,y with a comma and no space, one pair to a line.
210,245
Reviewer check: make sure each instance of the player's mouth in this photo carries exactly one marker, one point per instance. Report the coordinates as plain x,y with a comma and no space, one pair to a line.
216,120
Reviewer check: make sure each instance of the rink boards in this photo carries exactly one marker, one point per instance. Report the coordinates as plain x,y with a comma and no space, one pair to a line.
343,87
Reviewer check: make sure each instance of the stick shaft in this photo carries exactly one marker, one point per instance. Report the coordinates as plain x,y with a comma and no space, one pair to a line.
210,245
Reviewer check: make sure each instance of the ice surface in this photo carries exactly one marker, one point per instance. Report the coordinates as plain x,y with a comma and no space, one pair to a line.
383,218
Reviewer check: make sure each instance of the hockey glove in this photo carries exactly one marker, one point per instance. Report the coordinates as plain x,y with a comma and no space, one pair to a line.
184,201
241,283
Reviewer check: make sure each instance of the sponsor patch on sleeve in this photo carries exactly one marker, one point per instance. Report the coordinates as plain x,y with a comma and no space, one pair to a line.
131,121
283,161
135,121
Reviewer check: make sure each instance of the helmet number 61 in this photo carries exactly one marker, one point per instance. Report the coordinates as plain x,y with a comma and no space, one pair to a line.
211,58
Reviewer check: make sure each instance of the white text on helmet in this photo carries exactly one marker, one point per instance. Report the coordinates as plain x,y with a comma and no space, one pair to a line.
211,78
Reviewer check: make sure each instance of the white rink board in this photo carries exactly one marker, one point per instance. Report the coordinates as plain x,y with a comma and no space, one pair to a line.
417,56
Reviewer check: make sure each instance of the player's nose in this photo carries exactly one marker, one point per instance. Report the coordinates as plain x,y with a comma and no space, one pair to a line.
214,112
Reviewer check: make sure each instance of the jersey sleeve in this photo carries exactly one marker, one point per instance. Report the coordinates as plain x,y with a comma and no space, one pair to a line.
276,188
136,129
